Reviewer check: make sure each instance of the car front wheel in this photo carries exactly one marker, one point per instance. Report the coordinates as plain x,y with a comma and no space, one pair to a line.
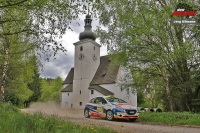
109,115
86,114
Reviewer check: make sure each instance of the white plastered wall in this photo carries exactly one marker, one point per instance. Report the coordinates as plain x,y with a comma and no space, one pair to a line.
130,98
87,67
66,99
80,85
62,97
84,70
118,92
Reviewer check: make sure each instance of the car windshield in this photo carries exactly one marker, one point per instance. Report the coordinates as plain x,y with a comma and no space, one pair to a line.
116,100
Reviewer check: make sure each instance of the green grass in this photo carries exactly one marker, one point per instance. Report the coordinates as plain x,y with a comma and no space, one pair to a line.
180,118
13,121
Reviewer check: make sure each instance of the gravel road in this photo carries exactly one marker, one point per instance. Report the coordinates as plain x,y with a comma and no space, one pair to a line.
122,126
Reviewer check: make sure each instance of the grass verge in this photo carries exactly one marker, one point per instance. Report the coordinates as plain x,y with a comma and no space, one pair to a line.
13,121
175,118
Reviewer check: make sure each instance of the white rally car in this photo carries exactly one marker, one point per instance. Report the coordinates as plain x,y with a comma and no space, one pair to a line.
110,107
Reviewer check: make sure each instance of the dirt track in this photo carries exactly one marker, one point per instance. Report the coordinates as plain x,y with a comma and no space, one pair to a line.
121,126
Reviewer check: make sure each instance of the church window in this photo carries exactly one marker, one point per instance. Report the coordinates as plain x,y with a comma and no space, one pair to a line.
94,47
80,103
68,94
92,91
80,92
81,48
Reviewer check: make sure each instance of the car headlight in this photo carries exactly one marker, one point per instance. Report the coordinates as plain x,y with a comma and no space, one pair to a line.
119,108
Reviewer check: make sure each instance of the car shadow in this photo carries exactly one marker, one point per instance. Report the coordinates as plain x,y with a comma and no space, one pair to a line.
115,120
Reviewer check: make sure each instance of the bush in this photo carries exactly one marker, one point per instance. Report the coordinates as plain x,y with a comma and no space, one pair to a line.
8,107
195,105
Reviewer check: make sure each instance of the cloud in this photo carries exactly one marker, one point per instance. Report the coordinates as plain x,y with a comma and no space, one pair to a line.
58,67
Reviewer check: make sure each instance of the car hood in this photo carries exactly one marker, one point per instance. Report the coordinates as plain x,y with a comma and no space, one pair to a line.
124,105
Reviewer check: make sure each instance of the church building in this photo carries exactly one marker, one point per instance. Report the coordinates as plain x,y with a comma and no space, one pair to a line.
92,75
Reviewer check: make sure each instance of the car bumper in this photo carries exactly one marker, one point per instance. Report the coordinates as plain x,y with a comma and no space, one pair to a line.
126,116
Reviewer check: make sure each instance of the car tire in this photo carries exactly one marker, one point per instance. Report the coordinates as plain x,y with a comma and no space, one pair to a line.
86,114
109,115
132,119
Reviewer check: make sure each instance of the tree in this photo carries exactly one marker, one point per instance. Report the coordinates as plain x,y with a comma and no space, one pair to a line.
16,68
36,23
40,21
35,85
46,91
141,33
56,88
51,89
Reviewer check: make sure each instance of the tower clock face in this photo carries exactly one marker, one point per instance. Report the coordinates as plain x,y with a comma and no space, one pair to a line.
94,57
81,56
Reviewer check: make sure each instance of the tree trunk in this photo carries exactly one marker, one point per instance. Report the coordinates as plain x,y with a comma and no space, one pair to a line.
5,64
1,97
166,79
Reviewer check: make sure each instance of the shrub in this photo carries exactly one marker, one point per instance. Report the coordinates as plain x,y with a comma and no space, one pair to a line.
195,105
8,107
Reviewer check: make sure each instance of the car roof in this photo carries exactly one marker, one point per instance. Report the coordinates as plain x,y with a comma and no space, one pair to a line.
104,96
108,96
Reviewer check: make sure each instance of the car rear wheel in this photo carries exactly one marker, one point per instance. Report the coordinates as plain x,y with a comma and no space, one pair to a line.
86,114
132,119
109,115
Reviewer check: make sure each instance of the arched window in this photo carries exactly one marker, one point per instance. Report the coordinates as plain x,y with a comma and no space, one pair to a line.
81,48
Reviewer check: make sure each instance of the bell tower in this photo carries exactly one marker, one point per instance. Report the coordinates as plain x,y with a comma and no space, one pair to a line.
86,62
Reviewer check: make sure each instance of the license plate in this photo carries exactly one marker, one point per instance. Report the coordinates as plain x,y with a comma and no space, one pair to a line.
131,112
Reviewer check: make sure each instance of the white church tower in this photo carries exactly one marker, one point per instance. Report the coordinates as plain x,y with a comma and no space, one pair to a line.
86,62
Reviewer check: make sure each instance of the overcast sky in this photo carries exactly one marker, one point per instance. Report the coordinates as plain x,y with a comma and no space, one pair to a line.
63,63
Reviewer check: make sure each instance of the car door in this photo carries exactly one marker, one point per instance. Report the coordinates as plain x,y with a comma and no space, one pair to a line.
100,101
93,107
104,105
97,106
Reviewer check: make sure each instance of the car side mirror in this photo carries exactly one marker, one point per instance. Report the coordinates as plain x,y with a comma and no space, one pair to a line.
99,102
